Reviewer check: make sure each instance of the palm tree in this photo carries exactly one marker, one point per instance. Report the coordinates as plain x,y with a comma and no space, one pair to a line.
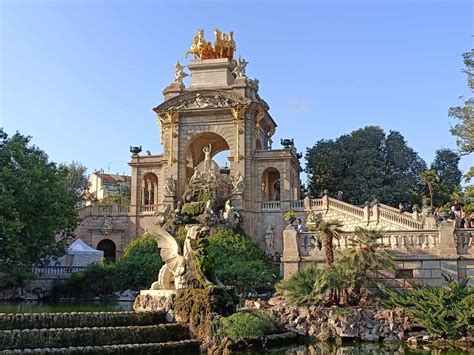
430,179
329,230
366,256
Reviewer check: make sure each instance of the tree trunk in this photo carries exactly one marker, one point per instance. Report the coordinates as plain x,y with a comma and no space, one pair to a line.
328,249
430,188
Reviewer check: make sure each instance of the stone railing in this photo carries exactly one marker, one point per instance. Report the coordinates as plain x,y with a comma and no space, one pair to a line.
406,241
346,207
57,270
271,205
148,208
366,214
297,205
103,210
393,215
464,239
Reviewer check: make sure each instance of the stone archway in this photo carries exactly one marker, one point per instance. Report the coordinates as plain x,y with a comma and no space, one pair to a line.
194,150
109,249
271,185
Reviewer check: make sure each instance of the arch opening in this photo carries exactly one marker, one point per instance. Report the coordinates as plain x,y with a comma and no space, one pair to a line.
149,189
219,151
109,249
271,185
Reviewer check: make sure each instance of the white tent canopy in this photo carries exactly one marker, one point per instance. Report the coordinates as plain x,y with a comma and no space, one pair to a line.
81,254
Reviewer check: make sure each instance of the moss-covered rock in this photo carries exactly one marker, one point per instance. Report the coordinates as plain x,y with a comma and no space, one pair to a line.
197,308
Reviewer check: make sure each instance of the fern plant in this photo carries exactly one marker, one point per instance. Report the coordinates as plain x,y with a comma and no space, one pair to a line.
448,311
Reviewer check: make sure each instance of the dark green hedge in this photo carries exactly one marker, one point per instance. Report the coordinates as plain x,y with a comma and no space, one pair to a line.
9,321
65,337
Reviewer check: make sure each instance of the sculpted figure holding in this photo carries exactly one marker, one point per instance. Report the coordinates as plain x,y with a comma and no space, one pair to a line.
207,157
179,73
196,175
170,185
238,183
270,241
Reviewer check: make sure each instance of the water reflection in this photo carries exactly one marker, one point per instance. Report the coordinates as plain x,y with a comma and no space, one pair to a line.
364,348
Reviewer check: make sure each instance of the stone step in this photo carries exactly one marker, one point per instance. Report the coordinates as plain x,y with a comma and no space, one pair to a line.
10,321
96,336
171,347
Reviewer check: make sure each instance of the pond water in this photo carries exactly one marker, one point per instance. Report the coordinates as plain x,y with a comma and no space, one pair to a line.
362,348
40,307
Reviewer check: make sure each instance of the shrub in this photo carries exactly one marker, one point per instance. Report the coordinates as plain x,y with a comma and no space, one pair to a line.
246,324
448,311
139,266
137,269
238,261
346,280
300,288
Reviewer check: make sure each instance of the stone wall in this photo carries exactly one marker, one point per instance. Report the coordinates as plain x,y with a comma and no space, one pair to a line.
420,255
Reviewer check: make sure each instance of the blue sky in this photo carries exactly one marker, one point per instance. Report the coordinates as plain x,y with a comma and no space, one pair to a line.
81,77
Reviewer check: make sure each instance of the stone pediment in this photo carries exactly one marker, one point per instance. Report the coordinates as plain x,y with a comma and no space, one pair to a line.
203,99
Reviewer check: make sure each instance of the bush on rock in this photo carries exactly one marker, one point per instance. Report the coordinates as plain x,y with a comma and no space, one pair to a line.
245,324
239,262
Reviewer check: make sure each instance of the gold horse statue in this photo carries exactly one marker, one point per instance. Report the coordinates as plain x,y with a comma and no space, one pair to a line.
224,46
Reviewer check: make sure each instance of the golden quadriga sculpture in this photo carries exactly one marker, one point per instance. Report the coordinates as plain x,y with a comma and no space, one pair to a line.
224,46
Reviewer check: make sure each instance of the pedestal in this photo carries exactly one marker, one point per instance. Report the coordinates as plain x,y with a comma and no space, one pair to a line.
154,300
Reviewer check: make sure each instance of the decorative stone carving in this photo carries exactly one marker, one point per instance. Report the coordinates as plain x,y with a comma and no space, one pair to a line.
230,215
107,226
179,73
170,185
178,271
269,241
202,99
207,157
239,70
238,184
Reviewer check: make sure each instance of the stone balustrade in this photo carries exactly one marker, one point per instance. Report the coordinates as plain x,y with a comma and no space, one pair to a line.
57,270
271,205
148,208
103,210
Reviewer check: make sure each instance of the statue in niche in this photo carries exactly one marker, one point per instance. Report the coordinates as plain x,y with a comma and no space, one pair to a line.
170,185
179,73
269,241
239,70
238,184
207,157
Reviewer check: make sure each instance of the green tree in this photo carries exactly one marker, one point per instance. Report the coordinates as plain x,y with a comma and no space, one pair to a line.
36,209
446,167
431,180
238,261
365,164
463,130
74,176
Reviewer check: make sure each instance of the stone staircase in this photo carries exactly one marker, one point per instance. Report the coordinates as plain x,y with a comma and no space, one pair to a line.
93,333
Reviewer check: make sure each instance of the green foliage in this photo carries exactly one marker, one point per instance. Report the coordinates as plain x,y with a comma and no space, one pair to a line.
346,280
35,208
137,269
463,130
366,164
246,324
114,199
74,176
238,261
196,306
448,311
306,286
446,167
139,266
288,215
